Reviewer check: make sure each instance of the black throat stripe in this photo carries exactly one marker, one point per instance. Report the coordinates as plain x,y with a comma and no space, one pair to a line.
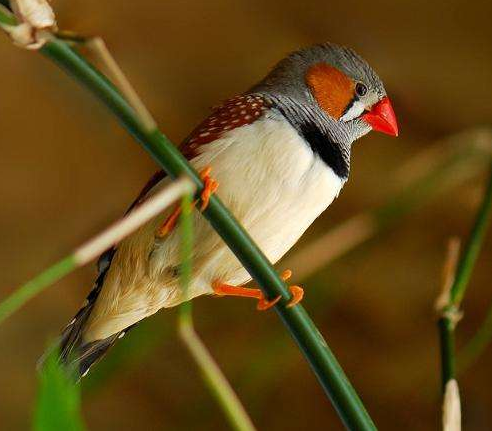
327,150
319,141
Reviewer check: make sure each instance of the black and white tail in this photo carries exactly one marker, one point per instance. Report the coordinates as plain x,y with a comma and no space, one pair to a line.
75,353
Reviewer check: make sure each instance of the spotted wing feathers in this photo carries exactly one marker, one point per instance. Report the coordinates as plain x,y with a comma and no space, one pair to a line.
236,112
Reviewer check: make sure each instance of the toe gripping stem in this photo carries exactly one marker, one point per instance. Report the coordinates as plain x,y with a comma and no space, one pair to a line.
222,289
210,186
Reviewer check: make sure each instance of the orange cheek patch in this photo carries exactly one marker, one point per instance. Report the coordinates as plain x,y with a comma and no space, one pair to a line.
332,89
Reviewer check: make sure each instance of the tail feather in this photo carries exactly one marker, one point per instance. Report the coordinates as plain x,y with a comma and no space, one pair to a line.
88,354
76,354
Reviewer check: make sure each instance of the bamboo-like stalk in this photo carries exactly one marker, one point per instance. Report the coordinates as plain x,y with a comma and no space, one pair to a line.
314,347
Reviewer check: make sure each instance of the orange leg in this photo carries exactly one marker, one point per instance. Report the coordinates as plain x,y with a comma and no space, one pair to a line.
210,187
222,289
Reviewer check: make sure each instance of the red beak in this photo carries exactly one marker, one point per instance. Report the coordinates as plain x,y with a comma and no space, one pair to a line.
382,118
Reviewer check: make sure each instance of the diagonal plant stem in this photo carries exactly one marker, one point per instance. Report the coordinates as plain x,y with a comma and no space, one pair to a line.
450,310
213,376
301,327
475,347
453,161
94,247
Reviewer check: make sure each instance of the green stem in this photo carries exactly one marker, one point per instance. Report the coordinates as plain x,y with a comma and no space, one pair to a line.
472,249
214,379
212,374
471,351
6,17
450,313
448,357
21,295
301,327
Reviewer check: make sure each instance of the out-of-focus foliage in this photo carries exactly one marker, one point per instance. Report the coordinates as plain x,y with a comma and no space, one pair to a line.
67,169
58,399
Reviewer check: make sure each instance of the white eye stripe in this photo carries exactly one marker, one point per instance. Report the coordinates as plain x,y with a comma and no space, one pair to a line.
355,110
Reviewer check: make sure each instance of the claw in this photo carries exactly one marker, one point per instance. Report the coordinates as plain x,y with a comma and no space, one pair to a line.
264,304
297,295
210,187
222,289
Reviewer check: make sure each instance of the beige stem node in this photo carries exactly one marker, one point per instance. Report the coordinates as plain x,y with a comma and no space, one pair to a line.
442,305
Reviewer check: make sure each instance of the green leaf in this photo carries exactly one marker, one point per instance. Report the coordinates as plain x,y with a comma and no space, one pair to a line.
58,401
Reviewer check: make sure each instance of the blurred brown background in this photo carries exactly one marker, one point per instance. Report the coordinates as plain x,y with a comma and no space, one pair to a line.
68,169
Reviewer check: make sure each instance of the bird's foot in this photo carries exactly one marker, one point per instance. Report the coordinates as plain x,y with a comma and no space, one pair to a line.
222,289
210,187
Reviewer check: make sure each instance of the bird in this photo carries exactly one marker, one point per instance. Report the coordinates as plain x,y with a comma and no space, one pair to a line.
277,156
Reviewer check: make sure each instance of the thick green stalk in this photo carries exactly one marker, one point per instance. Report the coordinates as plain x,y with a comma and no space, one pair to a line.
312,344
447,344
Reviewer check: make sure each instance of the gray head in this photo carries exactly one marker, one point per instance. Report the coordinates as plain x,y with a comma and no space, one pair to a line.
333,86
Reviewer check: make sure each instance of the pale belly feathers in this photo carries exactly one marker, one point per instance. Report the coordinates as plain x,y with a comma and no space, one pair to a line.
273,184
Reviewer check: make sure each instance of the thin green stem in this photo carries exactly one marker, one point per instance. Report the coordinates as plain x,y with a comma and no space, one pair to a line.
301,327
186,250
450,313
474,348
27,291
473,246
213,376
6,17
94,247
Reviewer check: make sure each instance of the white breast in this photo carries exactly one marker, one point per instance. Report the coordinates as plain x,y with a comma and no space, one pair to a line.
272,182
269,179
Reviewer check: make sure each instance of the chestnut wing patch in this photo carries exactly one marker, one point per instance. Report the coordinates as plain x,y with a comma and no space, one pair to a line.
233,113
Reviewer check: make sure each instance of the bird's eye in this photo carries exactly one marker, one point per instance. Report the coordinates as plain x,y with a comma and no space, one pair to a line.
360,89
